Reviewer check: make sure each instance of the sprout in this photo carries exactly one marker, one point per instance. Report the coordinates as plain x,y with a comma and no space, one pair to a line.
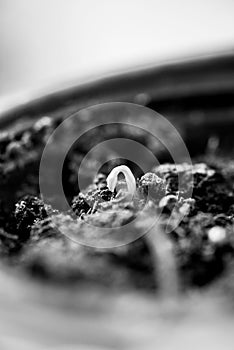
112,179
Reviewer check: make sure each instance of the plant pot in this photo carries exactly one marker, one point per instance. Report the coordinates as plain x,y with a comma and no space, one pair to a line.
197,97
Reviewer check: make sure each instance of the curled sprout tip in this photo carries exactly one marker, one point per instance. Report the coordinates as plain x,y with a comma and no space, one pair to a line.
113,178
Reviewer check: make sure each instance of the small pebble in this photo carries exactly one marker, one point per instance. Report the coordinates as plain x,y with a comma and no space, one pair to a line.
217,234
43,123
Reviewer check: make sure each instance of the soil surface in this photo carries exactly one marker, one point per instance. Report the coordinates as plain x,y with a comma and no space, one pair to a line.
200,223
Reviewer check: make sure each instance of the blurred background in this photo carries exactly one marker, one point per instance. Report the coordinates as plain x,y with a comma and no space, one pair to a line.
59,43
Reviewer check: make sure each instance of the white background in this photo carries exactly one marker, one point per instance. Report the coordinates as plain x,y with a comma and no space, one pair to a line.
45,42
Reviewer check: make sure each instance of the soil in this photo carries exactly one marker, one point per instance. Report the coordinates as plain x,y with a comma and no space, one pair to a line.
202,241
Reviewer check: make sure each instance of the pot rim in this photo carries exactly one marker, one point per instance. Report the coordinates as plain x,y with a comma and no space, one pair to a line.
205,74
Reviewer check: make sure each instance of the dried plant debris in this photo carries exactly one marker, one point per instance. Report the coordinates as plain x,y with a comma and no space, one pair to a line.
199,224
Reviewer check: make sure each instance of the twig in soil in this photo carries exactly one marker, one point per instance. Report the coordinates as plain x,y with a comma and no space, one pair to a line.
163,258
8,235
166,273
